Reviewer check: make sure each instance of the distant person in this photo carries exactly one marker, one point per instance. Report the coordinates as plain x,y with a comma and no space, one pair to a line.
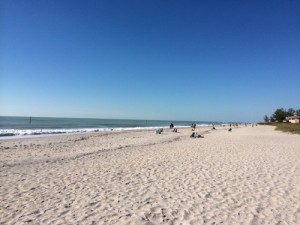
159,131
195,135
171,126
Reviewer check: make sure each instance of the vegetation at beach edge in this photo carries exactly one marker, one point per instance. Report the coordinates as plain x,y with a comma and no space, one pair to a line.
293,128
278,120
280,115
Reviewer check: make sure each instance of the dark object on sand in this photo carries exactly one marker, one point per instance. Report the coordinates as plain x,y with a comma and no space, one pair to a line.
159,131
230,129
195,135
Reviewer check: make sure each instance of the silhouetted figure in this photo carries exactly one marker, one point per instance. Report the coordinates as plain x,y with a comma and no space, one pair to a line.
195,135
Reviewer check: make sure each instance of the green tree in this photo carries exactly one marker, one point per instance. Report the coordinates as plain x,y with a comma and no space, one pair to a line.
279,115
290,112
298,112
272,119
266,118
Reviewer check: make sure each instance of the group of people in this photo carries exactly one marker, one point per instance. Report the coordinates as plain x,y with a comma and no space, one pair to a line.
196,135
193,135
160,130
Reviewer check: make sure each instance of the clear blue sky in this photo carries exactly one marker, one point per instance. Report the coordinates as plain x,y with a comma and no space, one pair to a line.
184,60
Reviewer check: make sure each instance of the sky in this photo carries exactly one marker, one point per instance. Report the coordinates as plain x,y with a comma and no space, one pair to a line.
173,60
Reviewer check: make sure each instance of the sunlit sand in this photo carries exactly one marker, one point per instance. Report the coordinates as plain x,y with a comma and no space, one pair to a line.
248,176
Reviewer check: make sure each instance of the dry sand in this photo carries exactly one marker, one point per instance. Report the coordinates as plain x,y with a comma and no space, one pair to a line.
248,176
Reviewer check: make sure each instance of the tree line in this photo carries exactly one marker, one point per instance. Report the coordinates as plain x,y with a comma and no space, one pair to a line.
280,114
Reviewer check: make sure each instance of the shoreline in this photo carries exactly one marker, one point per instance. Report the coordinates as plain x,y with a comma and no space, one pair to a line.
56,132
18,127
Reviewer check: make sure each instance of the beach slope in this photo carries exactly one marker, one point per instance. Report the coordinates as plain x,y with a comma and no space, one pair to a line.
248,176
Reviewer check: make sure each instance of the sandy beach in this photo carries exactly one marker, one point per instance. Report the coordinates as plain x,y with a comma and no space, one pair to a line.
248,176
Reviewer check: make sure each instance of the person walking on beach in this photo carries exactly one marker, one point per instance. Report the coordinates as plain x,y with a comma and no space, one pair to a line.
171,126
193,125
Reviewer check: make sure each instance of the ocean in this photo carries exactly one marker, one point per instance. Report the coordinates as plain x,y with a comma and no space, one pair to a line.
29,126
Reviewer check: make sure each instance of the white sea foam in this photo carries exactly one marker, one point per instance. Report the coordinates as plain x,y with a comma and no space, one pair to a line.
203,125
16,133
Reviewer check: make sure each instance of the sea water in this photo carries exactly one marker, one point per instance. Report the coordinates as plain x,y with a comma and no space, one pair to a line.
24,126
